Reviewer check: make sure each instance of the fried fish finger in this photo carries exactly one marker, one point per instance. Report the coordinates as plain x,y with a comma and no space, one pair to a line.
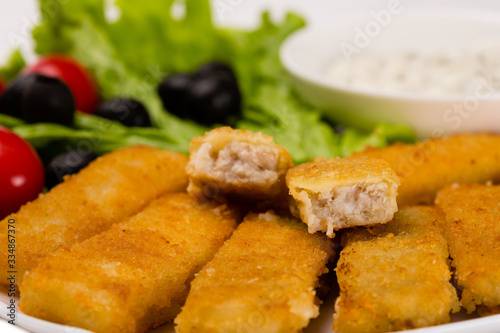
426,167
263,279
395,276
332,194
113,187
133,276
237,164
473,233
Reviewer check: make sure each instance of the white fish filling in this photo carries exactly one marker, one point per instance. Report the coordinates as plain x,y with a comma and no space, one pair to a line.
238,162
347,206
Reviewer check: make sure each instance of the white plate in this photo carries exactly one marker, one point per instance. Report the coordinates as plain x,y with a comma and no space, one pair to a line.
461,323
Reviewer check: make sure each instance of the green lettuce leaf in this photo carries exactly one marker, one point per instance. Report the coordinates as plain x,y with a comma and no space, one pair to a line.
160,40
95,133
276,112
354,140
9,121
15,63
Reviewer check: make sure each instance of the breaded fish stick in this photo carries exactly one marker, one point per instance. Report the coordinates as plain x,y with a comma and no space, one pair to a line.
113,187
133,276
239,164
473,233
428,166
332,194
395,276
262,280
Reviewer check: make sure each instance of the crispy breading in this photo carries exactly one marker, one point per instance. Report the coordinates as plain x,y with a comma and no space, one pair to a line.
111,188
262,280
473,233
395,276
238,164
133,276
426,167
332,194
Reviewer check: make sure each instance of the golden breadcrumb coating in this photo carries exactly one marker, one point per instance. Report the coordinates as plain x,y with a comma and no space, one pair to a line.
426,167
237,164
262,280
473,233
395,276
113,187
133,276
332,194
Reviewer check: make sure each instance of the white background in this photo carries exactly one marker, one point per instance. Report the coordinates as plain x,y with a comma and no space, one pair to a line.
18,16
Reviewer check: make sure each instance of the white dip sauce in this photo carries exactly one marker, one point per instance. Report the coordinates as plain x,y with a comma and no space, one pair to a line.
438,72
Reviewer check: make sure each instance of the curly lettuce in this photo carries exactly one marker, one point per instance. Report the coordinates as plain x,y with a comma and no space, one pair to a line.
13,66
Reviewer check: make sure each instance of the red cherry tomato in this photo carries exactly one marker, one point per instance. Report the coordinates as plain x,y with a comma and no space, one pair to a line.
74,75
21,173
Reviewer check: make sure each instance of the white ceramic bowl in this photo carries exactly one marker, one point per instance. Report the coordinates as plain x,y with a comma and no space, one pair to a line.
307,56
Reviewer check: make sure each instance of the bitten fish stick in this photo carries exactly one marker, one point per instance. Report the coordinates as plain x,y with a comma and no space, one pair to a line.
262,280
395,276
238,164
473,233
336,193
113,187
133,276
426,167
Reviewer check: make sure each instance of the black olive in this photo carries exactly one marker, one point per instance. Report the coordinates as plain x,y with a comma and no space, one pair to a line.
215,68
49,100
36,98
125,110
209,96
212,100
66,164
11,99
172,91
